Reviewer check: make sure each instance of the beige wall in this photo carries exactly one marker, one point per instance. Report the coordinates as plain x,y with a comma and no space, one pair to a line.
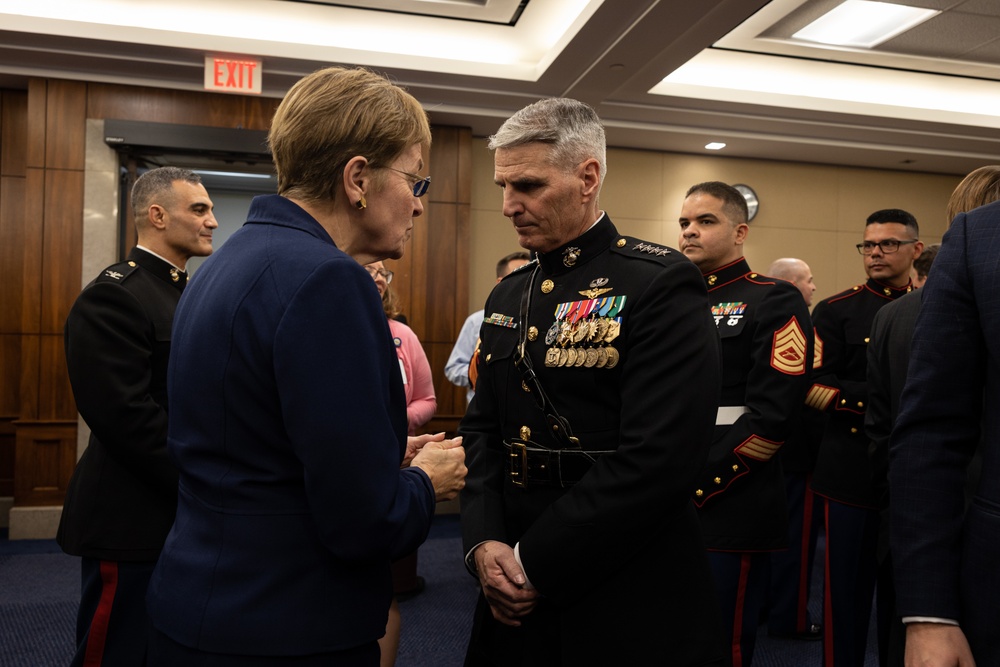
809,211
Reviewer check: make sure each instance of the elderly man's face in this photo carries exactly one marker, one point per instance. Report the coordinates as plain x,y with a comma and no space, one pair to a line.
549,206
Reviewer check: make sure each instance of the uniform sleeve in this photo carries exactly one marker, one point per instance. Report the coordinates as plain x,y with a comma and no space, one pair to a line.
110,342
341,400
482,496
669,386
457,367
938,429
776,386
422,403
831,391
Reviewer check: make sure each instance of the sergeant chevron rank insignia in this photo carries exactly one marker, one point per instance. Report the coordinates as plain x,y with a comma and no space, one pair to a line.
788,354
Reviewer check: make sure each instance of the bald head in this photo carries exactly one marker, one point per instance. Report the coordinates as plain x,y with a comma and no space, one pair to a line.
796,272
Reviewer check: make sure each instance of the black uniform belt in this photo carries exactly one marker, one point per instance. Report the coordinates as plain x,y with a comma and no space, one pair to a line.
527,464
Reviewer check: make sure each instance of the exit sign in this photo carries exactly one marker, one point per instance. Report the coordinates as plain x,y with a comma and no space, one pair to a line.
232,75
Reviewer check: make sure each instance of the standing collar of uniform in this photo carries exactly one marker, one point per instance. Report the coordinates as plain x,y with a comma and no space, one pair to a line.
585,247
157,266
726,274
888,291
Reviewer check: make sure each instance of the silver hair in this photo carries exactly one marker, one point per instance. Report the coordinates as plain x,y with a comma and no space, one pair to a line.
572,128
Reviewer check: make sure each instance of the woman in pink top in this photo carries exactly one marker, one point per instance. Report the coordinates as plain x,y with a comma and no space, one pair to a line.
420,406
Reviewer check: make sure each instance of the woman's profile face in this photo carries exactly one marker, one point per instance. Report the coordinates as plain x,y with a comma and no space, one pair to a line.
387,222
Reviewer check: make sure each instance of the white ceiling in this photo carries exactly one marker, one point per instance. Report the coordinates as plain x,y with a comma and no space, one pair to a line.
927,100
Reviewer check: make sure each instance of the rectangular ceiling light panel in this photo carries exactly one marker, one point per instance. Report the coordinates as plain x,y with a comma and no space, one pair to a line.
863,24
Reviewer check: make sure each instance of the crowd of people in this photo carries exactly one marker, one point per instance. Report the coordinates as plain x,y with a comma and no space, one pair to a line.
654,440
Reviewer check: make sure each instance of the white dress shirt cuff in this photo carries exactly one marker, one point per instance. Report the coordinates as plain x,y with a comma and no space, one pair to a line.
929,619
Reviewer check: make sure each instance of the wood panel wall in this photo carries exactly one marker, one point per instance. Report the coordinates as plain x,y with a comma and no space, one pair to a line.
42,163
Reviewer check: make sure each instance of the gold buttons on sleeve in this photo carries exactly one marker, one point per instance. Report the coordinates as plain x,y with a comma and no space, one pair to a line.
717,480
699,493
861,404
843,401
736,468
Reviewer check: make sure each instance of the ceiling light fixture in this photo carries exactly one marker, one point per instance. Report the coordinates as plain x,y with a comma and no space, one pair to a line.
863,24
715,146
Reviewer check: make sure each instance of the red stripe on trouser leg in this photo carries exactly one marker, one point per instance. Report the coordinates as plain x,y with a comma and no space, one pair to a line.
97,636
741,596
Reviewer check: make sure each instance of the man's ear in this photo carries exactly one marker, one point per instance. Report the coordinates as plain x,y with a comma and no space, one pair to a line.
157,216
590,175
742,230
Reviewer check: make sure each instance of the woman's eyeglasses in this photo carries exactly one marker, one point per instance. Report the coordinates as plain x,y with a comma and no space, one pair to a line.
373,272
419,184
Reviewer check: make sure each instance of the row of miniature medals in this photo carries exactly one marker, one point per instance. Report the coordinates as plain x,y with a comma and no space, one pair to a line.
583,332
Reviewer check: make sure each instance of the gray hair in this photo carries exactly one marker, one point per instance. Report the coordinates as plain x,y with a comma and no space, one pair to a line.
158,184
571,128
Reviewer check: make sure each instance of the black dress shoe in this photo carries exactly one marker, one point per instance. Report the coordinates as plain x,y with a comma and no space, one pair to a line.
814,633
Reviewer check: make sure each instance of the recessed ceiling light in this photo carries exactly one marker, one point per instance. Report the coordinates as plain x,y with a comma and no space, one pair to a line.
715,146
864,24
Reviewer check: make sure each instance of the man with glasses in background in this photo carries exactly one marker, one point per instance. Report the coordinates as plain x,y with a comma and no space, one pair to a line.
843,476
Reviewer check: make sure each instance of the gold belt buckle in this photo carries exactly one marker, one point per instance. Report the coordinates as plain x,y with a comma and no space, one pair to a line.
519,464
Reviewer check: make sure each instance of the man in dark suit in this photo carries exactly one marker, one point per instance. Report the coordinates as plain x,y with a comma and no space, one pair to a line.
945,558
122,497
598,381
766,351
888,359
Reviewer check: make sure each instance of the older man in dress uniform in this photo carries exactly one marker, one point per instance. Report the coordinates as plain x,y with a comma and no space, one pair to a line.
843,475
597,386
764,326
122,497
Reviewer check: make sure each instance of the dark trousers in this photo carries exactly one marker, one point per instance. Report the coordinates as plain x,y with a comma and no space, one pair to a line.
791,570
165,652
891,631
741,587
849,584
111,625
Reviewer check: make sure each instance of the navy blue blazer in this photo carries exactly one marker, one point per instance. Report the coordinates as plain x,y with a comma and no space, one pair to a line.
946,558
288,426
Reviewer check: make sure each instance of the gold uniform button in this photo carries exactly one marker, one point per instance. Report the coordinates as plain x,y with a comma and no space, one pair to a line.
736,468
861,404
753,275
131,263
532,333
718,480
843,401
620,243
547,286
867,340
525,433
699,493
854,430
713,279
490,354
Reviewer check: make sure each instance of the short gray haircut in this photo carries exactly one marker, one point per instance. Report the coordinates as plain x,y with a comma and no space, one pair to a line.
571,128
157,184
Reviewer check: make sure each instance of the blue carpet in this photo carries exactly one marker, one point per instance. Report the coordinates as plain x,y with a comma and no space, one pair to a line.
40,591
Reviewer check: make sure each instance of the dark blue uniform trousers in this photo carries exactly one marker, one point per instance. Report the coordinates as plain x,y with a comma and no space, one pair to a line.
741,585
111,626
791,570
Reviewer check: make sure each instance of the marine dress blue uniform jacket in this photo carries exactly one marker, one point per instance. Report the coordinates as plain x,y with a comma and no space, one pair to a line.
288,425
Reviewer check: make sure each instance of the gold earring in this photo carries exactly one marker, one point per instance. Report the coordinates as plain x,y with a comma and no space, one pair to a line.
361,203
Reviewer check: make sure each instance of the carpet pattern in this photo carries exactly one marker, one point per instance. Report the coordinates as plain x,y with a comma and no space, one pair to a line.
40,591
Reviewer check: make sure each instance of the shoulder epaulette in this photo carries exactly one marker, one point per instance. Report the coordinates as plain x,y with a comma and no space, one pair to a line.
637,248
116,273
